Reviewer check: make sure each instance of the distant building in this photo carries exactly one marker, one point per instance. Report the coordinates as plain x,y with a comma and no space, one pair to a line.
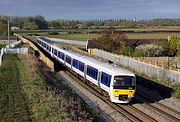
15,28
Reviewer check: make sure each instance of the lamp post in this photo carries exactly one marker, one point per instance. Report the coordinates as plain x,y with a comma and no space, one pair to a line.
88,33
8,34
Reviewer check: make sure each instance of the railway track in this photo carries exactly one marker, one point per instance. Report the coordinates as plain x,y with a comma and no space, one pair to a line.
160,108
130,112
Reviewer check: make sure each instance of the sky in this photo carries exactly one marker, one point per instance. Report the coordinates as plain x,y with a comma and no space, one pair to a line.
92,9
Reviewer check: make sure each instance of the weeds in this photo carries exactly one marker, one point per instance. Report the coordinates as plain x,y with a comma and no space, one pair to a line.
52,102
176,87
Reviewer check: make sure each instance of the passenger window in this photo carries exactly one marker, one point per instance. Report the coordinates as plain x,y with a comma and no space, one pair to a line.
68,59
59,54
55,52
92,72
81,66
75,63
62,55
105,79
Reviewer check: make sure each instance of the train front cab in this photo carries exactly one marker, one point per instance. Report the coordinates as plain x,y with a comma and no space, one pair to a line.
122,89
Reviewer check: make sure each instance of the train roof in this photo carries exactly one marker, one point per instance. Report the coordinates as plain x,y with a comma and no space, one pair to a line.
110,68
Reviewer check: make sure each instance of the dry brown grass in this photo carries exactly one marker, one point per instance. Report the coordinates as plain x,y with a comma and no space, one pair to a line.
50,99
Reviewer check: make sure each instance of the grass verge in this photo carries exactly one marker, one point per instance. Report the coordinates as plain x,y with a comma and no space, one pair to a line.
27,94
2,45
13,105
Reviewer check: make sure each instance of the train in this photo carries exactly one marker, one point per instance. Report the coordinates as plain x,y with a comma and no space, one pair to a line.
119,83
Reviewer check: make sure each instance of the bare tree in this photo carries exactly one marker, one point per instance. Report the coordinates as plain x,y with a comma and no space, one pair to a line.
112,40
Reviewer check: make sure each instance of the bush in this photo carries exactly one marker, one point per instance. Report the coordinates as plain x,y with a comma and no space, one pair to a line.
31,26
53,33
33,34
176,88
174,44
148,50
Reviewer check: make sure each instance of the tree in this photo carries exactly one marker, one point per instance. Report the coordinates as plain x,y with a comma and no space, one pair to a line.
128,24
174,44
3,28
40,21
112,40
31,26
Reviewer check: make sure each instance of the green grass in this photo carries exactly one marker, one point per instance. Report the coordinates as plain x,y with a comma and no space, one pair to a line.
23,95
176,88
79,37
84,37
42,103
13,105
2,45
154,35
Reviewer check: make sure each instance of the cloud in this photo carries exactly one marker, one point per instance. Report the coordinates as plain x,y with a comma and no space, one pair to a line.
90,8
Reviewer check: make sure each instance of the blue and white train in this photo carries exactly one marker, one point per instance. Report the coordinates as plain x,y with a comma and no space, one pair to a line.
119,83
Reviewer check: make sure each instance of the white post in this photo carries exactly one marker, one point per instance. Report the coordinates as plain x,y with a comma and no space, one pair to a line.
8,34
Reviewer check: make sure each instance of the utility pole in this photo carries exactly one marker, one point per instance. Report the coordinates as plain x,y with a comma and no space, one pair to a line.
8,34
88,33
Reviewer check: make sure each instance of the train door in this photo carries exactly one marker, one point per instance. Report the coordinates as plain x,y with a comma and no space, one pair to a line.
99,78
111,86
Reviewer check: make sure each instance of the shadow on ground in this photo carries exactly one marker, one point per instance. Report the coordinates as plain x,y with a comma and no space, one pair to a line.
151,89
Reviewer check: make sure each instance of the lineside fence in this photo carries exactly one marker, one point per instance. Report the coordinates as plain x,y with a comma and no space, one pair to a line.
8,50
42,56
170,62
16,51
161,73
12,45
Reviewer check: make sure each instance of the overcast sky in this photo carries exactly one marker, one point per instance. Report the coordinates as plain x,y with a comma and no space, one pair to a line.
92,9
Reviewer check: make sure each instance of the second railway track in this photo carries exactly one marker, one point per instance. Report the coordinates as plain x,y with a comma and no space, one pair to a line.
160,108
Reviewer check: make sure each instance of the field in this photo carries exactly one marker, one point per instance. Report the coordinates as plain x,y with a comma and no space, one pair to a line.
79,37
154,35
82,35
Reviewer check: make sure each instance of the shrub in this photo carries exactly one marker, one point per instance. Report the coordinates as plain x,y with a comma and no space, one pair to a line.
176,88
53,33
148,50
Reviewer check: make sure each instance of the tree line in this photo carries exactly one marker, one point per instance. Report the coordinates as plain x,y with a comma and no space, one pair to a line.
39,22
113,40
118,23
24,23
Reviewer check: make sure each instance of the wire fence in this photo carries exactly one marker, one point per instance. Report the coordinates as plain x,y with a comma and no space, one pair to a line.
160,73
